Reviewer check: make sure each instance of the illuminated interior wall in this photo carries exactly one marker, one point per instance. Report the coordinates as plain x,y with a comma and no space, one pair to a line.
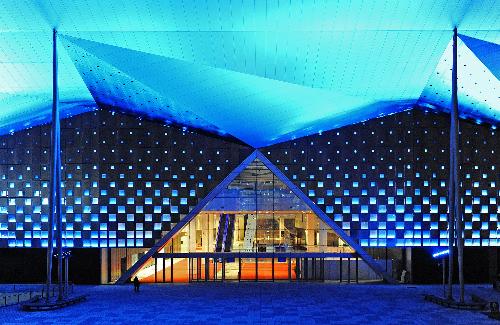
125,181
257,212
266,231
385,181
261,232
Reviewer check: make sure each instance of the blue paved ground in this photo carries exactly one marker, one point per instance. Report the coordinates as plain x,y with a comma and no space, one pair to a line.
255,303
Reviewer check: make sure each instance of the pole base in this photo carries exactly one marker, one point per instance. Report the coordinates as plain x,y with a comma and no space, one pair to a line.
471,305
40,304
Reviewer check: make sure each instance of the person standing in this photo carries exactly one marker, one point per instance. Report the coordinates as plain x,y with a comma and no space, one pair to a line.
136,284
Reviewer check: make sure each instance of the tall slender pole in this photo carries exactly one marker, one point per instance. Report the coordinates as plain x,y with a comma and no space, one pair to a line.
443,265
456,182
451,230
56,166
452,168
53,197
66,274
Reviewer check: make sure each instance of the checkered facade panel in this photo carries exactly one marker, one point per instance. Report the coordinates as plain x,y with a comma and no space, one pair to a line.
124,181
385,181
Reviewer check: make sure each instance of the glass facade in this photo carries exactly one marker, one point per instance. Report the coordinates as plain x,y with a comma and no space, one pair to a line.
258,216
256,213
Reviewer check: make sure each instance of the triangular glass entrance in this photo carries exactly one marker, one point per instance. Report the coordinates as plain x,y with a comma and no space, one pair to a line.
255,214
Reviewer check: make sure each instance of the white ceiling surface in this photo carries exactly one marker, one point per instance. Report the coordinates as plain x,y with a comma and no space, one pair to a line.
238,98
388,65
374,50
248,15
482,99
26,79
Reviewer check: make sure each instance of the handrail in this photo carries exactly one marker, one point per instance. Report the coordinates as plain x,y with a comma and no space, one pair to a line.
14,298
254,255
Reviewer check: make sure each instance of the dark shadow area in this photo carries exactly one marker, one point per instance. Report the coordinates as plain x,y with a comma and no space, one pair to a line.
477,266
20,265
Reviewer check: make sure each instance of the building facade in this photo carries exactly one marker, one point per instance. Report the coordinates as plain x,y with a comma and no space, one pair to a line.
128,182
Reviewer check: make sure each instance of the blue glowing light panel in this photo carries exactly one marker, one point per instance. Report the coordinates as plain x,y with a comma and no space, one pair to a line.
385,181
124,181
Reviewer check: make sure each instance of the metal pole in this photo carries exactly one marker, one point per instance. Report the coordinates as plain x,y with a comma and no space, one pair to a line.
304,262
172,263
357,267
54,163
452,190
348,270
443,264
207,268
323,269
66,273
456,182
239,267
256,266
289,269
386,266
340,268
313,266
190,270
272,268
223,269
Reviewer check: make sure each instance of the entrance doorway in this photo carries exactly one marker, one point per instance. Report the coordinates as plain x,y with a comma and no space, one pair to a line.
221,267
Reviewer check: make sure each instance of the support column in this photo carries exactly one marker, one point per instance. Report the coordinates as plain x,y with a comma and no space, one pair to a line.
281,230
408,264
454,211
205,226
236,231
456,181
310,233
192,236
58,174
66,274
323,236
55,181
104,265
211,226
443,265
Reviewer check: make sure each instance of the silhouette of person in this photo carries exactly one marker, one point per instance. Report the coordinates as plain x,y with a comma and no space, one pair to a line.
136,284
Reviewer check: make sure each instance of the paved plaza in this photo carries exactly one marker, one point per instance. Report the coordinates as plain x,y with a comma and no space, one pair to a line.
255,303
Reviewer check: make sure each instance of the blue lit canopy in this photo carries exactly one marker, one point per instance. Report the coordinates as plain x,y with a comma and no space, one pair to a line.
480,101
261,71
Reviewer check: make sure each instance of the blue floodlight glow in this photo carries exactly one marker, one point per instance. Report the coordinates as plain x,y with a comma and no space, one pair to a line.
26,81
261,73
487,52
478,94
203,96
441,253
